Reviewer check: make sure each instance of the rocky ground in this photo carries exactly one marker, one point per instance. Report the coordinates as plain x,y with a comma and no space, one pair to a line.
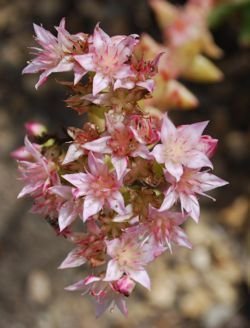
205,287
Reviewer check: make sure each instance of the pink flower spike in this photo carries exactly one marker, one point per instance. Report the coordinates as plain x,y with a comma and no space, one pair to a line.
191,184
181,147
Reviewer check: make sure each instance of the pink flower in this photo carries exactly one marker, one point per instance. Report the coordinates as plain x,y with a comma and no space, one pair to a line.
121,141
129,256
163,226
144,71
180,147
80,137
105,295
100,186
55,54
38,174
191,184
107,57
90,248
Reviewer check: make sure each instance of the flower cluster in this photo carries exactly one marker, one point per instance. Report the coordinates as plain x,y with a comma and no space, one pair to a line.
129,174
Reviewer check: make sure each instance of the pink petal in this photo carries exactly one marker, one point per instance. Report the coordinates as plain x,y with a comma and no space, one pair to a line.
175,169
158,153
100,82
98,145
73,153
210,181
79,180
100,38
92,206
168,130
86,61
120,165
72,260
67,215
102,305
142,277
44,36
113,271
191,205
148,85
121,304
192,132
113,247
196,160
181,238
124,83
169,200
116,202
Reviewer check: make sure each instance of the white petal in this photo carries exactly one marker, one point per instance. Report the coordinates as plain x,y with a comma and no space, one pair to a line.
91,206
113,271
142,277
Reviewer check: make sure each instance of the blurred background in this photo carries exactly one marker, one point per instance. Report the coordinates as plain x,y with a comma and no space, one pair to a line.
205,287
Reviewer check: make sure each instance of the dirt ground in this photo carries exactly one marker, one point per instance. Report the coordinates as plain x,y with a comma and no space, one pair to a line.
205,287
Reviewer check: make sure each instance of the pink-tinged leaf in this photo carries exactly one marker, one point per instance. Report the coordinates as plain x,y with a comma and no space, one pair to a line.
191,205
100,82
98,145
168,130
73,153
141,277
113,271
73,260
92,206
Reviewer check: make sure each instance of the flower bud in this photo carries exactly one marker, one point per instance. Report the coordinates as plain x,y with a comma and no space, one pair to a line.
124,285
35,129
